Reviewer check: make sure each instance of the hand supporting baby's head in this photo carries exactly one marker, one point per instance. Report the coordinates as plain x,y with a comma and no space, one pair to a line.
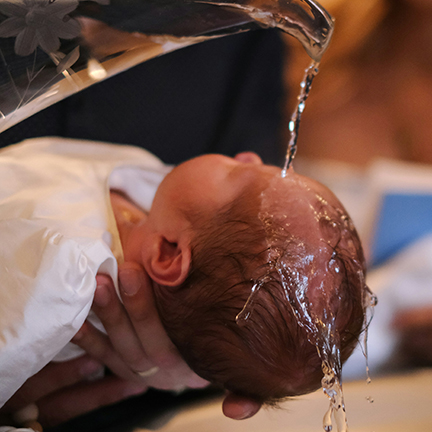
292,239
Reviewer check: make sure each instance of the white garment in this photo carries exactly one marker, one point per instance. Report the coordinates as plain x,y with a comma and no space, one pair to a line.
57,232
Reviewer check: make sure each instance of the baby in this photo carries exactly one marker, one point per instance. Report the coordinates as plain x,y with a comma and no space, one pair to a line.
219,227
218,230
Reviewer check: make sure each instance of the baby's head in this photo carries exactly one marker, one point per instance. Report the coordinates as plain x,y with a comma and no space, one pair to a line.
246,227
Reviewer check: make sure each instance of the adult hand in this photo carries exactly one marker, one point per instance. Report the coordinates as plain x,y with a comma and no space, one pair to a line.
137,347
62,391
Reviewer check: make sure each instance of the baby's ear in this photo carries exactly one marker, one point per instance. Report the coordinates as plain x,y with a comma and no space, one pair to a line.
169,263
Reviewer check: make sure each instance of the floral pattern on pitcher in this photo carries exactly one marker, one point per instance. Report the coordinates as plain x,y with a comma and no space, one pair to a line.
51,49
40,23
35,30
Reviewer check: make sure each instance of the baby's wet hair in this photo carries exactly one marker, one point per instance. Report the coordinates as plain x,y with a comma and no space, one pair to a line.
270,357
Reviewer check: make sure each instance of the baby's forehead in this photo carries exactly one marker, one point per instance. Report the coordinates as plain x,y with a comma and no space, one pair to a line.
300,205
306,225
312,245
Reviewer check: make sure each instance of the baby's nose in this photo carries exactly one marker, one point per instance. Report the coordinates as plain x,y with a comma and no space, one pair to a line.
248,157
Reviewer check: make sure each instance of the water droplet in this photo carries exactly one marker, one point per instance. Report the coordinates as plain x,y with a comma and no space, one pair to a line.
291,126
244,315
327,423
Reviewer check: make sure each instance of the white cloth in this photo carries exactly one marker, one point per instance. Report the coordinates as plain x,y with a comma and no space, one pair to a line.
57,232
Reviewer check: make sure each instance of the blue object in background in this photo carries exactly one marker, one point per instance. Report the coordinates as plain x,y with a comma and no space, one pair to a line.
403,219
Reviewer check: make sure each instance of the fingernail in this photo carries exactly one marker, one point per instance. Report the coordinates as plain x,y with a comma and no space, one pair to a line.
130,282
90,368
27,414
134,389
102,296
247,413
245,416
198,382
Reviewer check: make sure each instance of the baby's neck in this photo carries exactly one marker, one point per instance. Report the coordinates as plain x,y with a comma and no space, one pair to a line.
130,220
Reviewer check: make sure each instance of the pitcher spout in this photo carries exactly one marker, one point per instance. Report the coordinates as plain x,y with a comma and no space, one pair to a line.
306,20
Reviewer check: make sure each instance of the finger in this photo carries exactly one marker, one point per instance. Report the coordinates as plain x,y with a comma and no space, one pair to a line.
239,407
121,332
85,397
124,341
98,346
138,299
51,378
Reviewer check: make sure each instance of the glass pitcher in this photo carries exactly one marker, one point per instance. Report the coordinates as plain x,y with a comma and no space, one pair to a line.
51,49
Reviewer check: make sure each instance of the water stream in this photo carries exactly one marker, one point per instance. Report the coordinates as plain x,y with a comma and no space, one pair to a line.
294,124
299,276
